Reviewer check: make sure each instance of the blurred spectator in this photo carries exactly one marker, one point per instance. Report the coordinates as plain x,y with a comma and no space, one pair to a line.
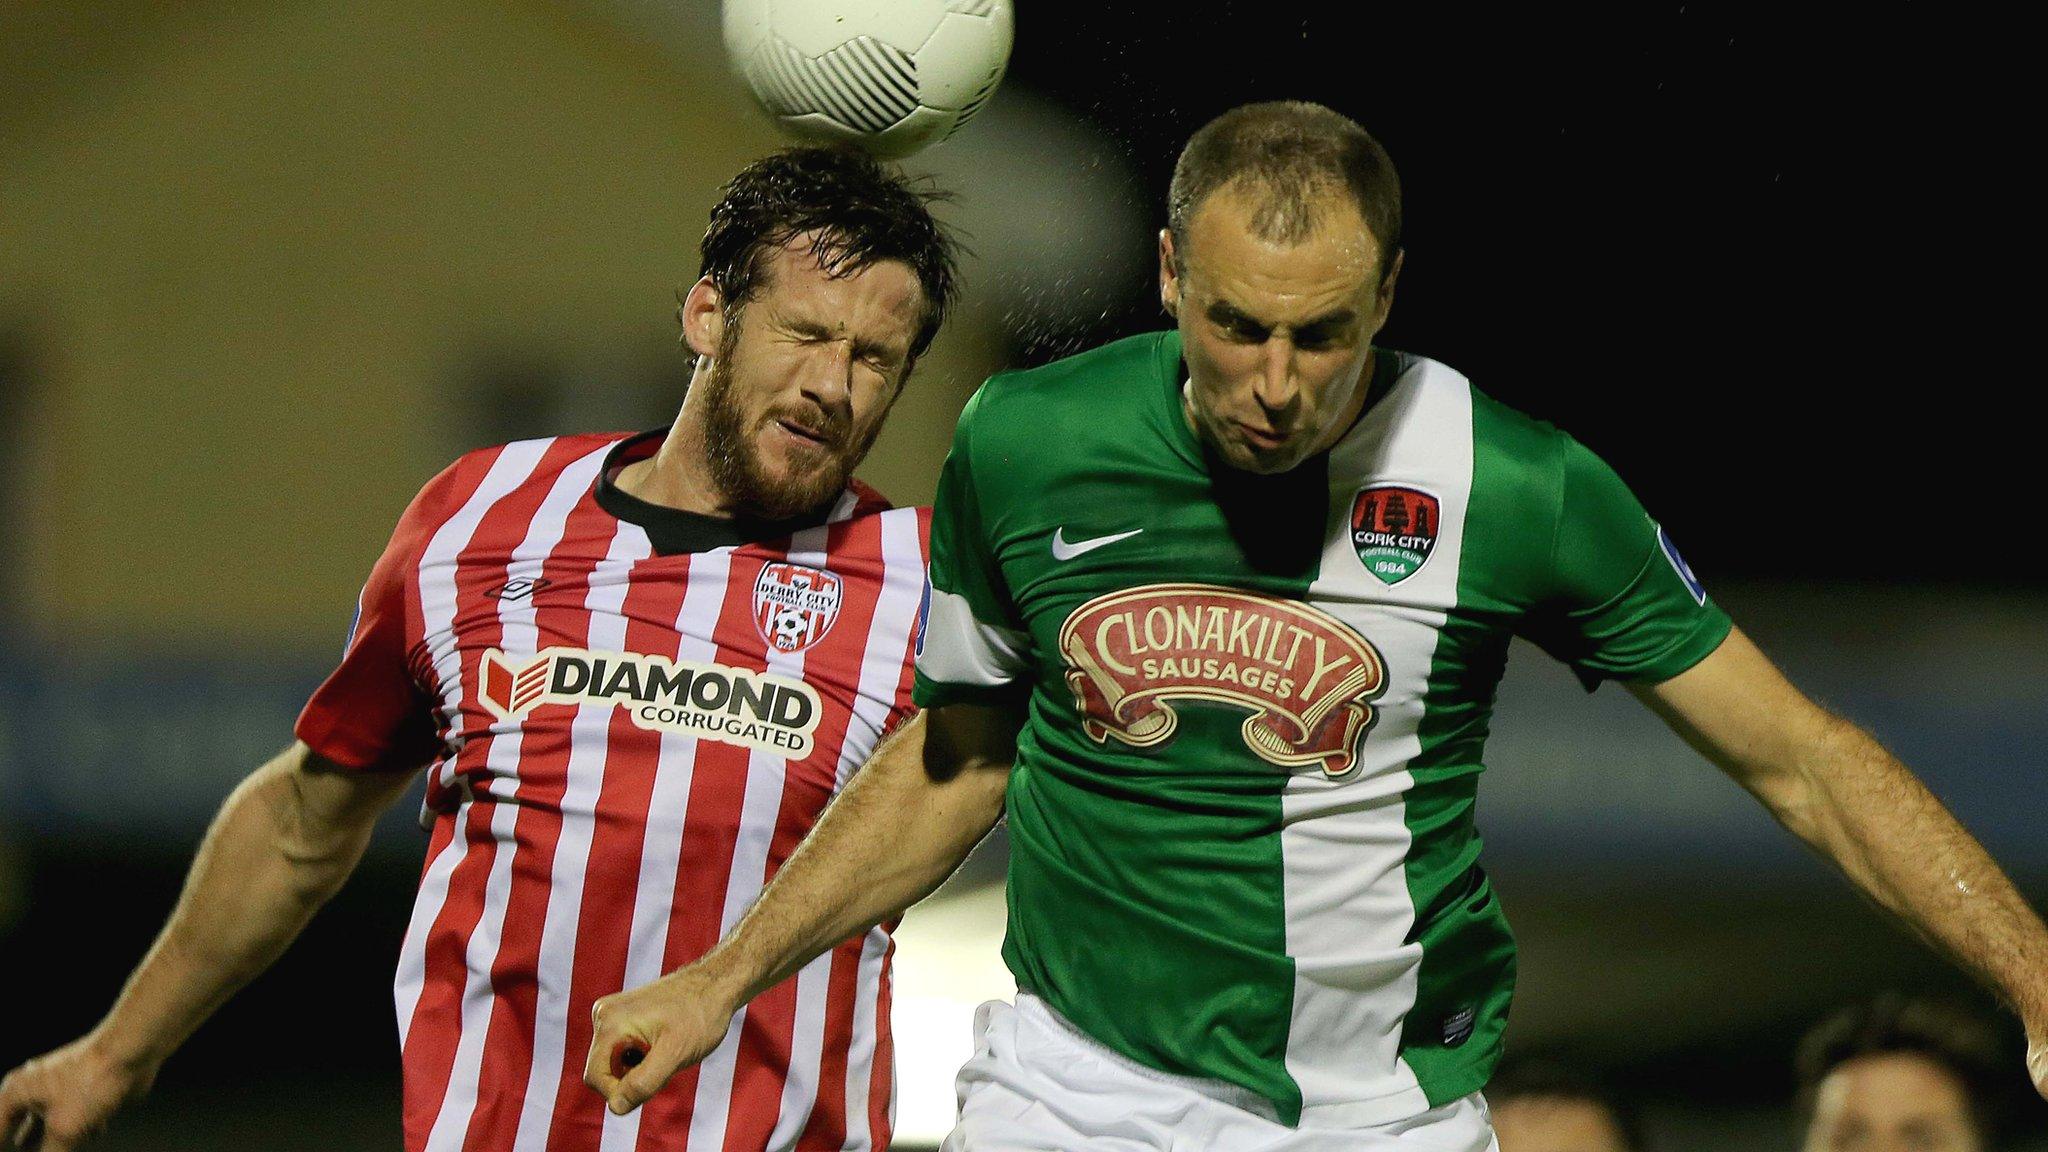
1899,1075
1549,1106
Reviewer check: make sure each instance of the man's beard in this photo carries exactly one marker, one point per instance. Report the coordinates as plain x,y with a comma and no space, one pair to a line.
734,448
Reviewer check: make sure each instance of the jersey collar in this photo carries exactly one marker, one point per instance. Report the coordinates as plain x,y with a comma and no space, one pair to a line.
673,531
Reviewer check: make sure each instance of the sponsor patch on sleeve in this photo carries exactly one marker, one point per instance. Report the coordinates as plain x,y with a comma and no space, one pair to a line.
1678,565
924,613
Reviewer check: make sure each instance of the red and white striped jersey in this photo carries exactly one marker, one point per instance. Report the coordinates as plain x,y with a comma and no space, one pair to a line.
631,737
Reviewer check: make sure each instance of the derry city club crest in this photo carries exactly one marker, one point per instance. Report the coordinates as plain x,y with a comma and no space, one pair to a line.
1394,528
794,606
1306,677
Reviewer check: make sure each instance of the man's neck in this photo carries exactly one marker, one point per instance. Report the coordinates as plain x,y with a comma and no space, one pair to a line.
678,475
1353,409
1360,392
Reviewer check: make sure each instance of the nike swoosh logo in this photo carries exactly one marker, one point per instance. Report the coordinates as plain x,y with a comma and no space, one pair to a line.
1061,550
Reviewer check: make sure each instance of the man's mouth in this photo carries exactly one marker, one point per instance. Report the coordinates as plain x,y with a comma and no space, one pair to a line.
805,433
1260,438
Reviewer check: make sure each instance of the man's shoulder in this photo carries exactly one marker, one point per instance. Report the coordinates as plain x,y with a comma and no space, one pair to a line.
1144,353
533,457
511,465
1517,457
861,500
1100,375
1070,403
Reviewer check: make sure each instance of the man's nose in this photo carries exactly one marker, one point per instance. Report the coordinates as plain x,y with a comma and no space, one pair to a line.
830,384
1275,388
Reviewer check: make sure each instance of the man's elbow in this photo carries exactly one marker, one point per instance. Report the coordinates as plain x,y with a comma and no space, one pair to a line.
319,825
1803,781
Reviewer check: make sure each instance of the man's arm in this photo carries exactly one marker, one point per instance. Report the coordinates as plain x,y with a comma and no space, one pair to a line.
281,846
926,797
1835,788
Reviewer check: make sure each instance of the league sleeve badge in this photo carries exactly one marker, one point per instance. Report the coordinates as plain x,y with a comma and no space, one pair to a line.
1678,565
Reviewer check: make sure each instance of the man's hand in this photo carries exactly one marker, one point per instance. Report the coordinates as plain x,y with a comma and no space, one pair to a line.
641,1036
65,1096
283,843
926,797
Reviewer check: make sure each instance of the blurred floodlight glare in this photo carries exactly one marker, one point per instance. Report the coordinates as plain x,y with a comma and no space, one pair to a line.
1057,224
948,962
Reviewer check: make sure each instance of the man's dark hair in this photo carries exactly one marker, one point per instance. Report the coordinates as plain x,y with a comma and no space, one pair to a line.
857,211
1548,1078
1950,1037
1285,153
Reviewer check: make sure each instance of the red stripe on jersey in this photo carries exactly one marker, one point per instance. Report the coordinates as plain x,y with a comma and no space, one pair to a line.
710,832
826,1131
370,708
881,1090
611,874
543,780
437,1018
767,1038
436,1028
412,1101
468,475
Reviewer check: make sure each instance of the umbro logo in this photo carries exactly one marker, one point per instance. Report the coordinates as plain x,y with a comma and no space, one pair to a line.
1061,550
519,588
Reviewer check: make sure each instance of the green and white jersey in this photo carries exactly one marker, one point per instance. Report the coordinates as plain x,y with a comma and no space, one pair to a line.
1241,818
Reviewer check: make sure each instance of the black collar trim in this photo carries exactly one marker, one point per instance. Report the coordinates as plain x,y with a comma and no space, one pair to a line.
673,531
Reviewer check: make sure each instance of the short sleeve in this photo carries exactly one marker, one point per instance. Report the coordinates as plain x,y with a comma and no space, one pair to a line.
1621,603
971,645
371,711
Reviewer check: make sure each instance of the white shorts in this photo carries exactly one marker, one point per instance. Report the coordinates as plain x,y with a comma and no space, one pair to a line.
1037,1084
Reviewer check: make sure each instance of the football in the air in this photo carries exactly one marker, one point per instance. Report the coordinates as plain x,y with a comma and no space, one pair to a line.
892,76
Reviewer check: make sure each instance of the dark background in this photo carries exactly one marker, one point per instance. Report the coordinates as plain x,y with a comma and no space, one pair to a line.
1771,264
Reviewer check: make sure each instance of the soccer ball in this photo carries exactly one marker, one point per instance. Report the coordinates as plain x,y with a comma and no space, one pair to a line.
892,76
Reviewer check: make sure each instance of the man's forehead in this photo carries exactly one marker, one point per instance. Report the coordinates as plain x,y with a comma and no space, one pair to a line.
806,259
1336,261
1326,217
1892,1084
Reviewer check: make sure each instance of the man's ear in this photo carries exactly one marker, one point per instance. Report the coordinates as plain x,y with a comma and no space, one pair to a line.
703,316
1169,274
1386,289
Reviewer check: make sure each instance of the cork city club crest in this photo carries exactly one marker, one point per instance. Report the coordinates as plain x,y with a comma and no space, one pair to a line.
1305,677
794,606
1394,528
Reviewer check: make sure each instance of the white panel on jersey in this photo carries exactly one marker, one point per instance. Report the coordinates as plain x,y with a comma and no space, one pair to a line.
860,1061
1344,844
668,809
881,663
760,808
881,671
807,1034
960,649
514,464
519,637
589,742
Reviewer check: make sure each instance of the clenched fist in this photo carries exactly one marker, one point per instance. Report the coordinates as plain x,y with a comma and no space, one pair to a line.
65,1096
643,1036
